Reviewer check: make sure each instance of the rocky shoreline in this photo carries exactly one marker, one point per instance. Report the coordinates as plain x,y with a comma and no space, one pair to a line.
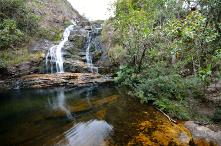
202,132
51,80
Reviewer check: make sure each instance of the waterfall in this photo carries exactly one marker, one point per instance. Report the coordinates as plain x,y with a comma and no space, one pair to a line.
88,57
54,55
17,84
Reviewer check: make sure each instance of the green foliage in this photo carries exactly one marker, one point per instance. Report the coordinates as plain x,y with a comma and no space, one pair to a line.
206,75
58,36
165,47
124,76
2,64
9,34
150,31
44,33
68,23
104,35
159,85
217,115
16,20
16,56
191,40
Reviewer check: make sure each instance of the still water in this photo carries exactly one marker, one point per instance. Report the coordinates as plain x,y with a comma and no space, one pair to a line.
96,115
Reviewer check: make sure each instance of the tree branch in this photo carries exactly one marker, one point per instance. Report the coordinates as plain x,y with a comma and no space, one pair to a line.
171,120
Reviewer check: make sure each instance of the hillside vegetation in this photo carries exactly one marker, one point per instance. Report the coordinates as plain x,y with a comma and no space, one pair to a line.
22,21
167,51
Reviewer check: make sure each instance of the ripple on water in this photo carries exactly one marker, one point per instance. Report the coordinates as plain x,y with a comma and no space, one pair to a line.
93,132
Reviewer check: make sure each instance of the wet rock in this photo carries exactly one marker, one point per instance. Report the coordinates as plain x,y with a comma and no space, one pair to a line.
184,138
49,80
202,132
31,66
79,41
92,48
87,28
97,55
84,23
74,51
24,68
71,37
40,45
97,31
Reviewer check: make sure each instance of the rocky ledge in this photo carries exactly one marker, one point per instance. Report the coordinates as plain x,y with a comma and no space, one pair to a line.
58,79
203,133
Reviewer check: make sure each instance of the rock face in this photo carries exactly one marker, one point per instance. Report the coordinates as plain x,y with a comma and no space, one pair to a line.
30,66
202,132
49,80
83,52
83,35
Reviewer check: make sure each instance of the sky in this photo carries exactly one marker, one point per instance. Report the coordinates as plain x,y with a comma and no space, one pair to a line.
92,9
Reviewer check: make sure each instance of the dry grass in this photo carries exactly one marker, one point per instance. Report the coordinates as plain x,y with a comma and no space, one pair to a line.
55,13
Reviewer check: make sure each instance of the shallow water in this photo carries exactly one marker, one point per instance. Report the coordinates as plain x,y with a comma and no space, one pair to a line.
81,116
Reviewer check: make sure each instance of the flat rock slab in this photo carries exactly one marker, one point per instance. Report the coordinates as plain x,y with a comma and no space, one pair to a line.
202,132
50,80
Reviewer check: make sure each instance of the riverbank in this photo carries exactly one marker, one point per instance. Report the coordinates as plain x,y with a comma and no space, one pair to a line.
53,80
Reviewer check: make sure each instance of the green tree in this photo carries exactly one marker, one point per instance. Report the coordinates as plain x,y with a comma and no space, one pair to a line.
163,41
16,20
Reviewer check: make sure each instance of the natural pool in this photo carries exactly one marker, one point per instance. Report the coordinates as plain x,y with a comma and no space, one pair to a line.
82,116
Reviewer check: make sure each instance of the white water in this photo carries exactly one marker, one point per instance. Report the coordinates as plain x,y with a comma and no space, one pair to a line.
88,57
61,101
55,53
60,104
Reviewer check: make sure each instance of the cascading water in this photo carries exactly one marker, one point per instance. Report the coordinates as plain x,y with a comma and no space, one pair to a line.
54,55
88,57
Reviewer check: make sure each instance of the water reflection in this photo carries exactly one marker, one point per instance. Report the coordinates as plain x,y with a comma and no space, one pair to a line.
84,116
88,95
90,133
61,105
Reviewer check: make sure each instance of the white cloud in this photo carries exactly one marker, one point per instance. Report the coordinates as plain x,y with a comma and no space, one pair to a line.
93,9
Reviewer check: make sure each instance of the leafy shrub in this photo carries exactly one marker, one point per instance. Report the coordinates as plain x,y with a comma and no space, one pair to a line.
125,75
58,36
9,33
17,20
160,86
217,115
2,64
68,23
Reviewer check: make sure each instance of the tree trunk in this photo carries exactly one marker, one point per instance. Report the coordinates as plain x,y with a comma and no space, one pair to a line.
143,54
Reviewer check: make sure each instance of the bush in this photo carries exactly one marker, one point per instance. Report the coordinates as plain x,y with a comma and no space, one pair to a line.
58,37
217,115
16,20
9,33
160,86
